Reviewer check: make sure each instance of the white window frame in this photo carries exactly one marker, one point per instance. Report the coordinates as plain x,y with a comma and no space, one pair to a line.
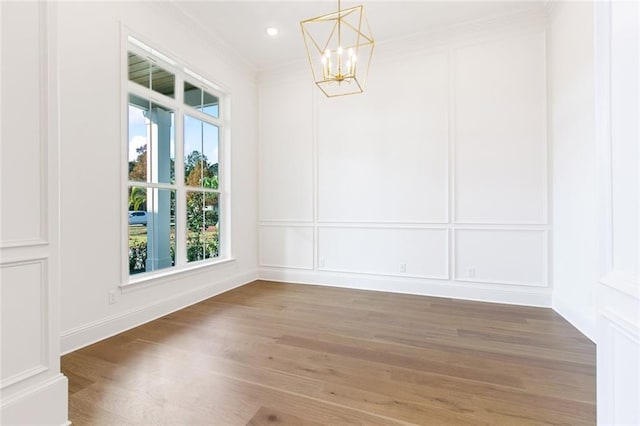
131,42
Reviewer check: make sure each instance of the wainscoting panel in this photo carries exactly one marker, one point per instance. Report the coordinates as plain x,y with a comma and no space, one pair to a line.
286,172
500,131
401,252
382,155
501,256
23,302
23,130
286,246
618,354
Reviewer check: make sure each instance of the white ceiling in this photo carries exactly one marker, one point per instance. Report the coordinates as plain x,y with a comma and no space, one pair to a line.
242,24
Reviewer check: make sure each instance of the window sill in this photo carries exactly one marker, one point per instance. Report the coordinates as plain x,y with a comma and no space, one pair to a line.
162,277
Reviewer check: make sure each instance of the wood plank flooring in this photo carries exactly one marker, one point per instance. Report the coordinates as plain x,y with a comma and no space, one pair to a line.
272,353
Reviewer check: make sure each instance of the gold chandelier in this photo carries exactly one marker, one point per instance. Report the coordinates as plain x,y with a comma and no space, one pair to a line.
339,48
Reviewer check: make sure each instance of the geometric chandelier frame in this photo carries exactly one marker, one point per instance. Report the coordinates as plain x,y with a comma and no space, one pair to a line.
339,49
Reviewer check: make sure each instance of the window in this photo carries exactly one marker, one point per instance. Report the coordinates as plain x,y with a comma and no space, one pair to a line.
175,138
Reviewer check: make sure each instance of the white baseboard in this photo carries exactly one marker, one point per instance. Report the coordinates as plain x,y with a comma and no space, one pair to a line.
42,404
514,295
585,324
87,334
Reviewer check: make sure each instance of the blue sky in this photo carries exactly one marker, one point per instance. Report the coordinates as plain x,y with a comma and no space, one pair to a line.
201,137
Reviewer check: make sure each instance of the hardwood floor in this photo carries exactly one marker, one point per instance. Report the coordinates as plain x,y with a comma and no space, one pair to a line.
273,353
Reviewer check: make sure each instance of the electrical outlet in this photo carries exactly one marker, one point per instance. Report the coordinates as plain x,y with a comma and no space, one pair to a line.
113,297
471,272
403,267
321,263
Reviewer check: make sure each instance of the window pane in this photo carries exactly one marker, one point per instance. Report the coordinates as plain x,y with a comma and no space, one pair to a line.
201,100
192,95
137,229
211,225
139,69
202,225
193,169
201,153
151,229
138,127
162,81
148,74
210,104
151,142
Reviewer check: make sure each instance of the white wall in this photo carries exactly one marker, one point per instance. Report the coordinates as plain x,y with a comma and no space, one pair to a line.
91,203
433,181
32,389
572,135
617,58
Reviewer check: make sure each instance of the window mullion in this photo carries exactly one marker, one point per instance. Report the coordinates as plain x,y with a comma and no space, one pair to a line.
202,166
181,195
204,225
153,96
203,116
150,145
168,186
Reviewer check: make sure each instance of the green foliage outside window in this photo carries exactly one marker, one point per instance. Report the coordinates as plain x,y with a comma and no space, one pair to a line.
202,213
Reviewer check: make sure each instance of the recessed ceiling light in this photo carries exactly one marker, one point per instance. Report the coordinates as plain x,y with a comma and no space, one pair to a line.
272,31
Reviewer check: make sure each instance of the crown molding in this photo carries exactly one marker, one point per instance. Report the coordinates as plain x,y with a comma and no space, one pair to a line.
549,7
437,38
465,32
215,39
